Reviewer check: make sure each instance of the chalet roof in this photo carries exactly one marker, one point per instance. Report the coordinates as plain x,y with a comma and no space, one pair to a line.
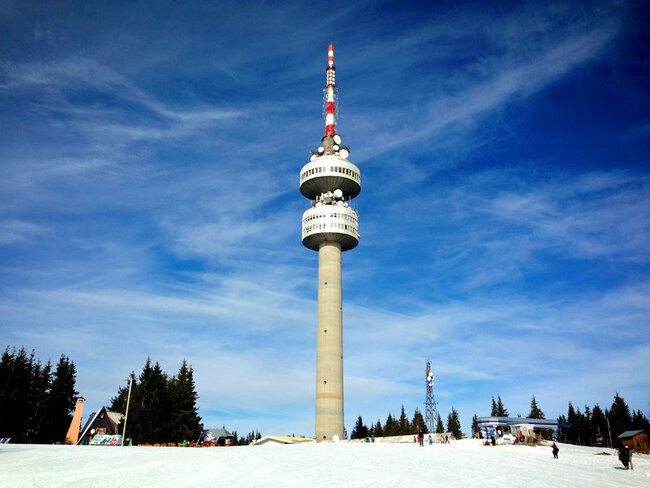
217,433
116,417
630,433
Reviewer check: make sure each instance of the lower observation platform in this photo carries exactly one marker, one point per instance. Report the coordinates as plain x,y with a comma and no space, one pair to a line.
330,223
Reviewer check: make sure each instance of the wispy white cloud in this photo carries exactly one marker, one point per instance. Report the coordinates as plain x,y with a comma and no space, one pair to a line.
14,231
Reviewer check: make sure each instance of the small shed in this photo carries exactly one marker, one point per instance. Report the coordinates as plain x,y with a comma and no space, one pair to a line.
216,437
634,439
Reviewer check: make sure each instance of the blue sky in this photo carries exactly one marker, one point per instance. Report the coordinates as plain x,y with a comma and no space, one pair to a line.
149,202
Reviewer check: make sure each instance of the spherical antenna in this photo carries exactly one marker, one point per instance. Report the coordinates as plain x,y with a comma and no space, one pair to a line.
344,153
338,193
337,139
321,150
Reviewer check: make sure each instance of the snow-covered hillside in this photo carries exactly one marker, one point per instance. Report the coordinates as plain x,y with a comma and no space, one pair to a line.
461,464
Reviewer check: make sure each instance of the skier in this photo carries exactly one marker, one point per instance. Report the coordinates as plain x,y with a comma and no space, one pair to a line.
555,450
430,440
624,456
421,437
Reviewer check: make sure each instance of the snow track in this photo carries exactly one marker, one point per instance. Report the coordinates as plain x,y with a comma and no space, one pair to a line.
463,464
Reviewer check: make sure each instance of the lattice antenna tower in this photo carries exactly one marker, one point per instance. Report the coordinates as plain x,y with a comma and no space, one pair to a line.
430,406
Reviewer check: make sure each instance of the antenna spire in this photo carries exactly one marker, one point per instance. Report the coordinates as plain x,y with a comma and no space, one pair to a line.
330,95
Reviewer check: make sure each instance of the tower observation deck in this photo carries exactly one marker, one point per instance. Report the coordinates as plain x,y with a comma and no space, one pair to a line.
330,226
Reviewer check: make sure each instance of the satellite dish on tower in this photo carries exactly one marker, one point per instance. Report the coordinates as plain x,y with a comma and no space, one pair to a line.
338,193
337,139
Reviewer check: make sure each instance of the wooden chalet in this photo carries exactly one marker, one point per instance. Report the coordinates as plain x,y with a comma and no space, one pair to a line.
635,439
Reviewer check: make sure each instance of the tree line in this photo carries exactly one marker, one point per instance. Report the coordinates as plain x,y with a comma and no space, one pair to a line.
253,435
162,407
585,427
36,400
403,426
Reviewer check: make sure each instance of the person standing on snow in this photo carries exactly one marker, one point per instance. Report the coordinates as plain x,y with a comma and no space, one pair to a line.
624,456
421,437
555,450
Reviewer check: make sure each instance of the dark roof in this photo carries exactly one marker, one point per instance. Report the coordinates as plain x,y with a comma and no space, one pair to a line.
630,433
217,433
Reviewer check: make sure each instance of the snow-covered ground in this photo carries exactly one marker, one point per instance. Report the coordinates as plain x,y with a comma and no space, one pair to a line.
463,464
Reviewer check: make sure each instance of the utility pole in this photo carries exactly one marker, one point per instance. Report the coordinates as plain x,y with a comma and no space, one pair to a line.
126,415
610,433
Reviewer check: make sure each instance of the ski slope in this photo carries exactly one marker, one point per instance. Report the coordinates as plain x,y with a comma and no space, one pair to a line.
464,464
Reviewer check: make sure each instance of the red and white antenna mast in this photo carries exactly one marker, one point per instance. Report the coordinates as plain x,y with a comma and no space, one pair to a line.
330,95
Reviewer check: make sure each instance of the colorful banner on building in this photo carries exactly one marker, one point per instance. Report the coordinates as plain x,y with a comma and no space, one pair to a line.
106,440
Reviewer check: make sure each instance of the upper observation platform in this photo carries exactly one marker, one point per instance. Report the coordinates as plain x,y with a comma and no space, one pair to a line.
328,173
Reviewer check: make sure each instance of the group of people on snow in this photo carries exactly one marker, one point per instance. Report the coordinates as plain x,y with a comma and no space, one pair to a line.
444,439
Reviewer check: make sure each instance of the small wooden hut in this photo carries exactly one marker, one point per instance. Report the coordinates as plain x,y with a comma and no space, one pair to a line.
635,439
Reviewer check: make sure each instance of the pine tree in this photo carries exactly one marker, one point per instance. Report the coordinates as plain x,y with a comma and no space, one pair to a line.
571,418
404,425
493,411
391,426
418,422
639,421
440,428
598,422
535,412
453,424
184,417
587,433
620,419
61,401
41,385
149,415
360,431
501,410
15,393
119,401
379,430
475,428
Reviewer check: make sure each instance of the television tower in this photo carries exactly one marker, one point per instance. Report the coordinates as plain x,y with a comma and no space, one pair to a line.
430,410
330,226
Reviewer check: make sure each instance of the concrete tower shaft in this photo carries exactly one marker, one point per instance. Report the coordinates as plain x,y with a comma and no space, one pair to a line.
329,349
330,226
